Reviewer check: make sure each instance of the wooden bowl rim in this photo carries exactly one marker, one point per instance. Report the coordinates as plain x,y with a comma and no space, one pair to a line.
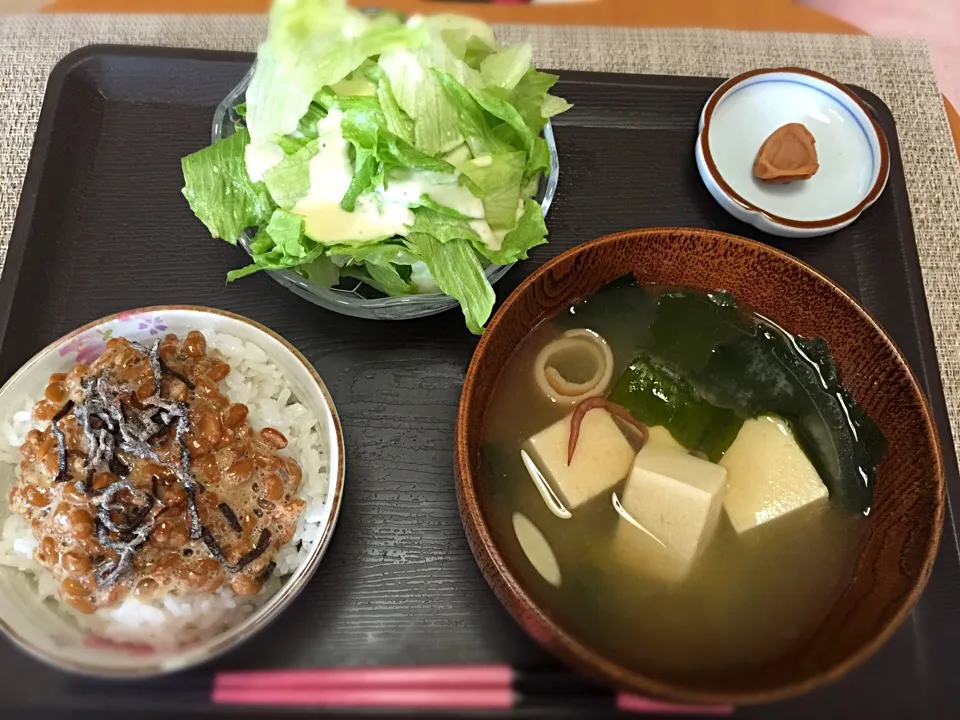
572,650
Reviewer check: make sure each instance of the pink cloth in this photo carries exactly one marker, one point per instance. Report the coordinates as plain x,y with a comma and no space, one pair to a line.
936,21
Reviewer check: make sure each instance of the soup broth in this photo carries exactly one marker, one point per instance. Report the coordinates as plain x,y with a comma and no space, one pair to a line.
746,597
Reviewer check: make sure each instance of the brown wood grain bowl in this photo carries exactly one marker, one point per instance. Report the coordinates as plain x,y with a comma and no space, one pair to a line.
896,553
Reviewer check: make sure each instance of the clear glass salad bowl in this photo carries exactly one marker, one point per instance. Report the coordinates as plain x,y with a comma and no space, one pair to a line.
353,297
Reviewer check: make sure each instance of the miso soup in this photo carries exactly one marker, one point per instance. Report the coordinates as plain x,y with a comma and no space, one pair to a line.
706,512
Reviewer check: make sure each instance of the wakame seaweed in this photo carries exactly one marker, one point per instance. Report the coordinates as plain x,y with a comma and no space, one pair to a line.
706,366
689,326
770,372
658,395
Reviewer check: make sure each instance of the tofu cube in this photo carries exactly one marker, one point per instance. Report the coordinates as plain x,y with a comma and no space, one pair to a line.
602,458
769,475
642,554
673,502
659,437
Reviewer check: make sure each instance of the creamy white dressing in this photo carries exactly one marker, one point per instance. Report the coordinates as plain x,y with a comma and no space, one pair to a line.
456,197
330,174
384,212
493,239
407,187
260,157
422,277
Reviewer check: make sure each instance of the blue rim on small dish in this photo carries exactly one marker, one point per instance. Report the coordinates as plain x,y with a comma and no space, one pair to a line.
750,210
348,301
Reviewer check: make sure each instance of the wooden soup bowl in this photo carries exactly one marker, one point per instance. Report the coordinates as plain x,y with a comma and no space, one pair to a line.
897,550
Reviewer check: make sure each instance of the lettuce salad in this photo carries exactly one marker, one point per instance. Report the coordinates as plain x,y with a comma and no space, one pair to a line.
404,154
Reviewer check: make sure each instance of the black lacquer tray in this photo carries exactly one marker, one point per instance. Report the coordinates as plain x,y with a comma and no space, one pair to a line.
102,227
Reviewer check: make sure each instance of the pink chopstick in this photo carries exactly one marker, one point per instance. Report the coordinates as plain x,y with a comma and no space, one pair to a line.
481,687
429,676
482,698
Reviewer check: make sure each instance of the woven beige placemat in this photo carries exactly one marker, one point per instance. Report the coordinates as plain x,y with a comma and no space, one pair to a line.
897,71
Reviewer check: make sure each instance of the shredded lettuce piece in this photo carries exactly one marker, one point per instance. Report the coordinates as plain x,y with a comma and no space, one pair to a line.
530,232
496,179
279,244
506,68
458,273
221,193
289,181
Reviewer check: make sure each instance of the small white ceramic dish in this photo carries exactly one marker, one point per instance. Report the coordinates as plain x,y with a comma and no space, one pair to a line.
851,147
47,634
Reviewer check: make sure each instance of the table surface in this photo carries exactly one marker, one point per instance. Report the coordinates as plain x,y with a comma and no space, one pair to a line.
759,15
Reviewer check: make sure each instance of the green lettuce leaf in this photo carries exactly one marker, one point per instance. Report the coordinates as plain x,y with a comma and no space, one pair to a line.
441,227
553,105
365,175
365,126
495,179
375,252
397,121
321,271
476,51
539,161
279,244
417,90
219,190
506,68
427,202
362,121
286,230
371,71
529,95
307,127
305,132
500,108
470,27
395,153
382,276
475,124
457,271
460,33
529,232
423,100
311,44
289,181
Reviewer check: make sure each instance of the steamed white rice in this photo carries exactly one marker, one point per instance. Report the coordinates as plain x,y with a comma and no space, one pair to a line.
179,620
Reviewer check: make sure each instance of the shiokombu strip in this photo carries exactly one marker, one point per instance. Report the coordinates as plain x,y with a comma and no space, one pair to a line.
61,444
149,481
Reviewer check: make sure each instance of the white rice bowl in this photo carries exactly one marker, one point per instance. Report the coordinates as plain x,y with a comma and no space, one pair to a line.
138,638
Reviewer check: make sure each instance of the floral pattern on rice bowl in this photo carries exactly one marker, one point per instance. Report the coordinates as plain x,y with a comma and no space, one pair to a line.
87,346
